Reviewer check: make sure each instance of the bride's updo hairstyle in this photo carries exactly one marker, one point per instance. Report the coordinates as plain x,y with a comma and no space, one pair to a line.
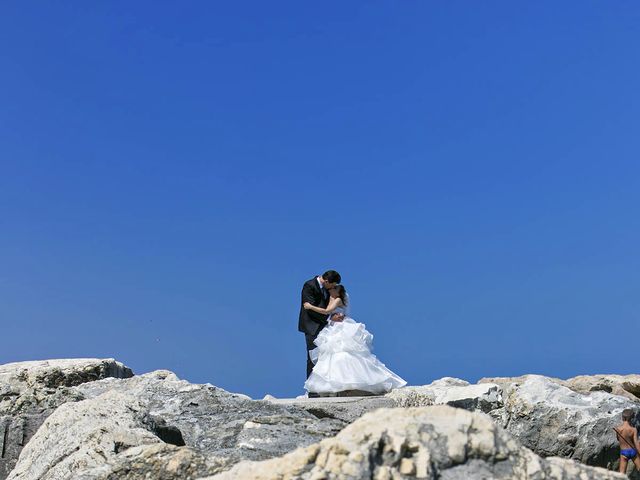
342,293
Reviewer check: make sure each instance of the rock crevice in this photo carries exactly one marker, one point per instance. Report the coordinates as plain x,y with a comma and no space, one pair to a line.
31,391
91,419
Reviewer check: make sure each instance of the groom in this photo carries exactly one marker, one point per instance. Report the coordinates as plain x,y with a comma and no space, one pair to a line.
316,292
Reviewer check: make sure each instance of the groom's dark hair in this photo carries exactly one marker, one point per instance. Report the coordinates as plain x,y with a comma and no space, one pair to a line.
331,276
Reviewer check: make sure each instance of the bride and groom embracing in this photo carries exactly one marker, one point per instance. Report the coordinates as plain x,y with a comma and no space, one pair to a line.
339,356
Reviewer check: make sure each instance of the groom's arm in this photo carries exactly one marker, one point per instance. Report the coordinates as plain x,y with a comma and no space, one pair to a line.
307,294
310,295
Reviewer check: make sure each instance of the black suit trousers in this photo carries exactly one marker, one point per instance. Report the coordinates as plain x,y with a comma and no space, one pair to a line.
310,346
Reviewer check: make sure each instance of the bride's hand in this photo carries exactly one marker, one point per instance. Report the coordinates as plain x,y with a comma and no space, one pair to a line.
306,305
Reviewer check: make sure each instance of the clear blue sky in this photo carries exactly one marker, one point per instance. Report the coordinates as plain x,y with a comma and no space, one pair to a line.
172,172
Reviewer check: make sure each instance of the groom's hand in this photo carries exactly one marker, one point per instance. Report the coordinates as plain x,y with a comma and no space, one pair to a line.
338,317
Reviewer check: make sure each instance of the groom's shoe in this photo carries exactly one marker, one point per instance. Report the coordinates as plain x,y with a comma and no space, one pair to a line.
314,395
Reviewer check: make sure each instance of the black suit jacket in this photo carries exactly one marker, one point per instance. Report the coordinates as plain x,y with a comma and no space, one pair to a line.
311,322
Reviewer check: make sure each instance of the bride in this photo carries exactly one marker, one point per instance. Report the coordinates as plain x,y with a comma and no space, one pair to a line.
343,358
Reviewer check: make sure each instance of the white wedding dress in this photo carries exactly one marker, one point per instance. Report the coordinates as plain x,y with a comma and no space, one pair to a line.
343,360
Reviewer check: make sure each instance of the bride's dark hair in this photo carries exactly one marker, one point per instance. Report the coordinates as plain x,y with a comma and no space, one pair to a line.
342,293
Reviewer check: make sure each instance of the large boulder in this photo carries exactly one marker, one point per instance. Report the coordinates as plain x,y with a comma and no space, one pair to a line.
624,385
520,379
446,391
31,391
569,418
157,461
543,413
100,423
450,391
345,409
84,435
437,442
94,436
218,422
553,420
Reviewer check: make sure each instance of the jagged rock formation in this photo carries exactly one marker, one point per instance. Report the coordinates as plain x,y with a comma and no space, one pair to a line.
623,385
31,391
345,409
437,442
543,413
553,420
92,420
446,391
450,391
158,407
159,461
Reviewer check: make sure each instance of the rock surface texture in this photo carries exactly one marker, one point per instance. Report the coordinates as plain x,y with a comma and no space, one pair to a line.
345,409
31,391
91,419
116,415
438,442
450,391
553,420
446,391
158,461
543,413
624,385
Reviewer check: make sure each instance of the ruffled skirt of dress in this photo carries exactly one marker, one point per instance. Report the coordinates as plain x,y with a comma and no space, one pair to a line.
343,361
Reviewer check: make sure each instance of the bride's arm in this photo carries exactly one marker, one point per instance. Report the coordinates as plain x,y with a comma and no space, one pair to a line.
333,304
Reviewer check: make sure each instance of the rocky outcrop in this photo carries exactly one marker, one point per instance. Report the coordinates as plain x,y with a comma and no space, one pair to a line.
553,417
83,435
543,413
623,385
437,442
31,391
215,421
158,461
553,420
446,391
143,411
520,379
95,421
450,391
345,409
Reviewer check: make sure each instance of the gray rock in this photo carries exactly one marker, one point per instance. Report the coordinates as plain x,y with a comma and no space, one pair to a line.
623,385
520,379
345,409
215,421
446,391
450,391
84,435
545,414
548,415
553,420
437,442
31,391
106,426
159,461
93,435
